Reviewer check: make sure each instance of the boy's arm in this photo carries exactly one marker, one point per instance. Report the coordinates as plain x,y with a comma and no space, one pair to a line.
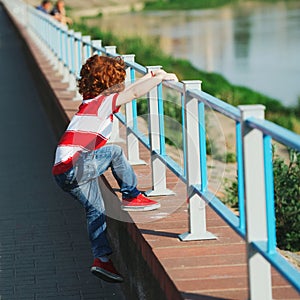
143,86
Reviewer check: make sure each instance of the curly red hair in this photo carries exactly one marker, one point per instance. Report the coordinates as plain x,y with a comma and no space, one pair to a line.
101,75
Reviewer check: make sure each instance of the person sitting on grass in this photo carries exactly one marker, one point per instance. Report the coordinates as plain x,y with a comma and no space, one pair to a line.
82,154
59,13
45,6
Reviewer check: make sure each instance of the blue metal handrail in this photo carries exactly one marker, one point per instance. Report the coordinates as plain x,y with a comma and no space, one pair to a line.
68,49
278,133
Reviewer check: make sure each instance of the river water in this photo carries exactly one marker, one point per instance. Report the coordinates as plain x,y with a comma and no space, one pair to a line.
253,44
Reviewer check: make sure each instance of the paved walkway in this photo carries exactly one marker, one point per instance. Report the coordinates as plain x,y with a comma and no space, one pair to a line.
44,249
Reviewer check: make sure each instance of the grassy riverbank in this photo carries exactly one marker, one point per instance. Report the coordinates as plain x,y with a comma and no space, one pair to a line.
191,4
148,53
187,4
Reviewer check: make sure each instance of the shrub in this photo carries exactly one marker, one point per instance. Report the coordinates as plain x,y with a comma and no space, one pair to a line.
231,190
287,200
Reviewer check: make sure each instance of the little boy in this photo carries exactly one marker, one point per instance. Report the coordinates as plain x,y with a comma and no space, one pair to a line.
82,154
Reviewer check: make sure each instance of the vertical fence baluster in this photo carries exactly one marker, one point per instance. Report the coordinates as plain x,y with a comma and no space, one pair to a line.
56,47
86,48
183,134
72,62
77,54
60,50
43,36
132,141
70,59
259,271
77,61
270,205
159,182
202,146
42,33
240,175
115,135
55,41
50,41
65,48
196,205
162,140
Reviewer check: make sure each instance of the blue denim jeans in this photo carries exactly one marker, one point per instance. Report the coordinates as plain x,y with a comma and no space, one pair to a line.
81,181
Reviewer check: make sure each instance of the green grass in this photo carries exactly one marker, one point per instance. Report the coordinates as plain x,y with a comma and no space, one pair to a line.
190,4
186,4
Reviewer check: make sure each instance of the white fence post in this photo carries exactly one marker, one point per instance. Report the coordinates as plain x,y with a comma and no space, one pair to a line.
78,53
71,59
97,44
132,141
86,51
56,45
65,56
77,61
159,183
52,40
259,270
110,50
196,205
61,66
115,135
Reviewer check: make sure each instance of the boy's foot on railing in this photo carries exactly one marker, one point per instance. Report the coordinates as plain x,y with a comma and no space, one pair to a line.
139,203
106,271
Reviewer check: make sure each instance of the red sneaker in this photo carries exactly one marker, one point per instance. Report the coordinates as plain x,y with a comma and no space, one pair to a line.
139,203
106,271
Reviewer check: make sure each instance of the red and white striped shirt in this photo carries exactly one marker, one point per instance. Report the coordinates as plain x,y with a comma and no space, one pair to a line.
89,129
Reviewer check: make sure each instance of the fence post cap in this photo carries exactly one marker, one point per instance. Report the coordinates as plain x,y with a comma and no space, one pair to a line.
254,107
77,34
256,110
128,57
153,67
97,41
110,48
86,38
191,84
191,81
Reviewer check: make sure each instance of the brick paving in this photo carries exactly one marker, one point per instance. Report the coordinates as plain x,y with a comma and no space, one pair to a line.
44,249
